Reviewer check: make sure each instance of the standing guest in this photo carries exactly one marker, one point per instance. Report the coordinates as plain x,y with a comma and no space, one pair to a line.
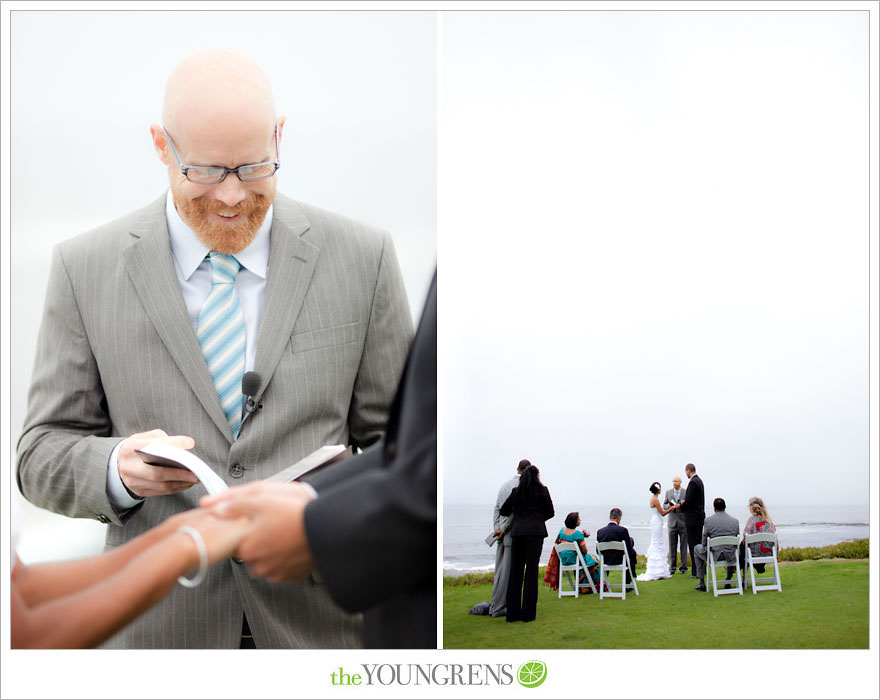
676,526
151,321
719,524
694,507
531,507
615,532
502,525
759,521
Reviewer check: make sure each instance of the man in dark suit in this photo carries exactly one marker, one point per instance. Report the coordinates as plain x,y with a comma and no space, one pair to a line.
371,532
615,532
694,508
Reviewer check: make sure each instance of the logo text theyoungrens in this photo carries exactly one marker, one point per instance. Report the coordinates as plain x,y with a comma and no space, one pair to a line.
425,674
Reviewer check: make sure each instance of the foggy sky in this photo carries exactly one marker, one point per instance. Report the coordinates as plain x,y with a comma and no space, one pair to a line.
664,255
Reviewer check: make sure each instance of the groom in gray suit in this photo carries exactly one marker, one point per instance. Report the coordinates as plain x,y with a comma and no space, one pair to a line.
150,322
676,526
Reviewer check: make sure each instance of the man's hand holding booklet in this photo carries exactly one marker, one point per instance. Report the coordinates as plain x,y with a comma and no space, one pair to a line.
162,454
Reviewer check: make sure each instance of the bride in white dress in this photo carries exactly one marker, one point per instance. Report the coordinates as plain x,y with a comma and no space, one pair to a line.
657,565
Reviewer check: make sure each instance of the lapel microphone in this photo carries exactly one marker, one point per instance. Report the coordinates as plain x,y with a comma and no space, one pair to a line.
250,385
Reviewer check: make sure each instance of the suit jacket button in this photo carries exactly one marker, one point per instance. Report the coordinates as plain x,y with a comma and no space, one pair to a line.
236,471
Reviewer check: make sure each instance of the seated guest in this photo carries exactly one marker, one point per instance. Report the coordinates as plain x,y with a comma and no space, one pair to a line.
759,521
614,532
570,533
719,524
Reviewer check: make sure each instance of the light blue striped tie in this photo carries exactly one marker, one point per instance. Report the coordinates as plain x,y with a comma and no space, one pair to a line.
222,336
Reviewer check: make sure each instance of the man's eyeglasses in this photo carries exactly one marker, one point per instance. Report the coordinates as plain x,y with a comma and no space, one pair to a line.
212,174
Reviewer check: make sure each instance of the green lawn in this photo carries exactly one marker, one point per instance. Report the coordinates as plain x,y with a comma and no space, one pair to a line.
823,605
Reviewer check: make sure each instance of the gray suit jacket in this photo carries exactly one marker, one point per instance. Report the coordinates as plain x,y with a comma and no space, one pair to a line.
504,522
676,517
117,355
718,525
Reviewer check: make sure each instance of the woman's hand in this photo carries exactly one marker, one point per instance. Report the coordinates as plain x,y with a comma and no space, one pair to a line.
221,535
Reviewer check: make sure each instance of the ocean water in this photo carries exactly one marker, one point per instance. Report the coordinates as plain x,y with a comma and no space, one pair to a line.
465,527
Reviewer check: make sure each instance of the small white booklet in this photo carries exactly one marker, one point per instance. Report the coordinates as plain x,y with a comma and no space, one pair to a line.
164,455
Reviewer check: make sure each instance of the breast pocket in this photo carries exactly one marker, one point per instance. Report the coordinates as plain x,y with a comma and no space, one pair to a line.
320,338
319,374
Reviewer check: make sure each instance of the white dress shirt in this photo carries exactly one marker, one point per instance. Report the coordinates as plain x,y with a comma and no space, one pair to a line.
194,275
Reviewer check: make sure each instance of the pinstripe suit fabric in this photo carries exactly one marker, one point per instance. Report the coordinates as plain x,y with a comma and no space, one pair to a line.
117,355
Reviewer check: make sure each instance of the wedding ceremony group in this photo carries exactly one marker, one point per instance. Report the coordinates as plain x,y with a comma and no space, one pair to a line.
524,505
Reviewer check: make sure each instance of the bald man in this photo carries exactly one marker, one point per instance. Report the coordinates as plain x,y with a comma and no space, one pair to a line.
676,526
150,322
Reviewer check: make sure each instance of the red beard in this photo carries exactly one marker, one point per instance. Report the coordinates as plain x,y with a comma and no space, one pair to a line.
201,215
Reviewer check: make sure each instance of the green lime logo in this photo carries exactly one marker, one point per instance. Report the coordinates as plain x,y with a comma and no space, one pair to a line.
531,674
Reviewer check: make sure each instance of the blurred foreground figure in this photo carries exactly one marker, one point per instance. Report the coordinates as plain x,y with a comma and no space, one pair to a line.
371,533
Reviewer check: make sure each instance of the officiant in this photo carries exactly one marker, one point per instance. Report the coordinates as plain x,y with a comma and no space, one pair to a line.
676,527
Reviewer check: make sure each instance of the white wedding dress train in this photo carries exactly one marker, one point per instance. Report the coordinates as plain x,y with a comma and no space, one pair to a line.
658,566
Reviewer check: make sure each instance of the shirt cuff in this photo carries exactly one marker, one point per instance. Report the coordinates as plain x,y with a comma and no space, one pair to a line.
310,489
119,496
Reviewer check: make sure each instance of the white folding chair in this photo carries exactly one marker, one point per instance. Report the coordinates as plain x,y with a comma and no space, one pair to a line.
623,568
751,560
568,569
586,569
712,562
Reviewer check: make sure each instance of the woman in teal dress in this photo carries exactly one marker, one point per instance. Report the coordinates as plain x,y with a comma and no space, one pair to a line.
570,533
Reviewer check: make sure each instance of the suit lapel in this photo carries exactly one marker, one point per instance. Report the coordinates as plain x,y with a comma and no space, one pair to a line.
150,267
292,262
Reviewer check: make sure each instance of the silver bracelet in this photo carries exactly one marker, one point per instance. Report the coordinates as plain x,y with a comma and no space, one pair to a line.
203,557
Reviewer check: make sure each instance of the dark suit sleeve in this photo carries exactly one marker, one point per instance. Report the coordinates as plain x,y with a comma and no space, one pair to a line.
548,505
330,477
630,550
686,501
507,506
693,496
630,543
375,535
373,528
